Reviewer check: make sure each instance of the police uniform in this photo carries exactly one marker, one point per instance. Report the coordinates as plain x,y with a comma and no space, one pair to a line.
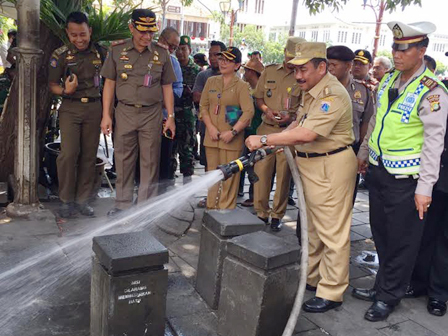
327,167
139,78
403,146
278,89
79,120
215,103
185,140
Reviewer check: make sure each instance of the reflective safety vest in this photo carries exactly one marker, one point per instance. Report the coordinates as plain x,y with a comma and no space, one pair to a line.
398,135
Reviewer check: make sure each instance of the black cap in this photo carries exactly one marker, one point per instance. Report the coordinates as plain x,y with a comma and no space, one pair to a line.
144,20
363,56
341,53
232,54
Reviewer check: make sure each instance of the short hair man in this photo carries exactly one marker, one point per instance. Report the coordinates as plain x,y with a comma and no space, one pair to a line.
256,55
381,65
322,136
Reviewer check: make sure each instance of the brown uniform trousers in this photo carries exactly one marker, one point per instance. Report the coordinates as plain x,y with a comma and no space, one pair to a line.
277,87
328,183
80,133
223,195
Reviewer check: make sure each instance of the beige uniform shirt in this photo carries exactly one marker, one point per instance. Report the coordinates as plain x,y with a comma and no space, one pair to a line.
279,90
326,110
214,100
127,67
434,125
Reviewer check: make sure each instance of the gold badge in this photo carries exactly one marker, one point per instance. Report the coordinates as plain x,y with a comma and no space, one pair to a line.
96,62
398,33
434,102
186,39
70,57
156,58
124,58
124,53
361,53
128,66
357,94
124,76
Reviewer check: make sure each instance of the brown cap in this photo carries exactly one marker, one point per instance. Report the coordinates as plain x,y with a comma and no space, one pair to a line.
255,65
291,45
306,51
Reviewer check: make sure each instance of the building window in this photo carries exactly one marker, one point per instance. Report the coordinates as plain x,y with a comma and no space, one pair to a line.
342,37
326,36
314,35
356,38
259,6
302,34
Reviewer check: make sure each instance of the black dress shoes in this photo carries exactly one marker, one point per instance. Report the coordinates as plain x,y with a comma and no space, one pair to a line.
436,307
311,288
379,311
364,294
319,305
114,212
276,225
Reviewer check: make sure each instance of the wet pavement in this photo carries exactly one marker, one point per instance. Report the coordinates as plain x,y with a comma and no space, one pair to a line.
187,314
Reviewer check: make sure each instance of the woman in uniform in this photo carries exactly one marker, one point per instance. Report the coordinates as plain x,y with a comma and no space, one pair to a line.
226,108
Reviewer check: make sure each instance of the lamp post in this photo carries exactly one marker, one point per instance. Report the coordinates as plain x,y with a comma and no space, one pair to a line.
226,7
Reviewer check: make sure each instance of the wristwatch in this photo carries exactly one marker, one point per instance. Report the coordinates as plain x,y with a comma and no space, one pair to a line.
264,140
234,131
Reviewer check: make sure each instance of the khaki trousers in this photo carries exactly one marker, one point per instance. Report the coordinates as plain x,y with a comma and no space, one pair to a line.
262,189
80,134
328,184
224,193
137,132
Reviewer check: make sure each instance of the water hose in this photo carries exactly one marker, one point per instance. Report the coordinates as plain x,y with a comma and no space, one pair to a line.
294,316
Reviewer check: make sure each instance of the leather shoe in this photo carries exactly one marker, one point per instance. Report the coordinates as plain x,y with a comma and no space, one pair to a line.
412,293
248,203
276,225
85,209
319,305
265,220
114,212
311,288
436,307
291,201
379,311
364,294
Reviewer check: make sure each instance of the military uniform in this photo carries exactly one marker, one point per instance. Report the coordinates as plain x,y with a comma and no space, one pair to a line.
79,120
139,78
278,89
215,99
185,140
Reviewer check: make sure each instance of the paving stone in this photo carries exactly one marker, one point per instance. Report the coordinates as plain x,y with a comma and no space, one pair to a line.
407,328
186,245
357,272
356,222
315,332
186,269
185,305
362,217
364,230
200,325
173,225
303,324
355,236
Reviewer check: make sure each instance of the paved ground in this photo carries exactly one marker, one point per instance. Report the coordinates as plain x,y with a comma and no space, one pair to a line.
187,313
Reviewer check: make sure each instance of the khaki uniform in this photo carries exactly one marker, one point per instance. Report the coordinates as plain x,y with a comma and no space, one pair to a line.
138,115
79,120
277,86
328,183
214,100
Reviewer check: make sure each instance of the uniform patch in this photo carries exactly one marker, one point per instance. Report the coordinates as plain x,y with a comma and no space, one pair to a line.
428,82
128,66
271,81
408,103
434,102
325,107
96,62
327,99
357,94
124,58
70,57
118,42
53,62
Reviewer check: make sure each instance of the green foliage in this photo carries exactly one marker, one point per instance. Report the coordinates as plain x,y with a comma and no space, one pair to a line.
317,6
5,24
386,53
441,68
251,37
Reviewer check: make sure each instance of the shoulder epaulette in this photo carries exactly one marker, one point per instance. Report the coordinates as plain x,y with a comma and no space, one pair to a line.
117,42
61,50
327,91
365,84
429,82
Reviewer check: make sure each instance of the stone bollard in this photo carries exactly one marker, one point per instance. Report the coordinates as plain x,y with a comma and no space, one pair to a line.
219,226
129,285
259,281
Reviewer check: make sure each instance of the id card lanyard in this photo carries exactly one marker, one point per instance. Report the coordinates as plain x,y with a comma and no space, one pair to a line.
219,104
287,103
147,80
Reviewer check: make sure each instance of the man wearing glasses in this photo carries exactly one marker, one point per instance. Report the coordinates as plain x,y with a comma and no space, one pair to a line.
140,73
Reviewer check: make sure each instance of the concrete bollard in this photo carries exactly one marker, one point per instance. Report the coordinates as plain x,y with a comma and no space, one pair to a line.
219,226
259,281
129,285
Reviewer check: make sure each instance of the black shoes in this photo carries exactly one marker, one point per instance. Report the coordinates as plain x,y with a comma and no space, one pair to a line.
364,294
265,220
411,293
85,209
436,307
319,305
291,201
67,210
310,288
114,212
276,225
379,311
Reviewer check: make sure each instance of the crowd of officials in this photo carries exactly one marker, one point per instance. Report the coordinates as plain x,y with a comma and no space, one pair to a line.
342,113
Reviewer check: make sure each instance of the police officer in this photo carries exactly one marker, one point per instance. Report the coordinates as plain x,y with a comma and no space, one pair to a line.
185,116
322,136
74,74
403,146
226,109
139,71
361,67
277,96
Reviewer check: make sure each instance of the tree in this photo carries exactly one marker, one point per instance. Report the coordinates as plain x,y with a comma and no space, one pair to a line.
441,68
108,26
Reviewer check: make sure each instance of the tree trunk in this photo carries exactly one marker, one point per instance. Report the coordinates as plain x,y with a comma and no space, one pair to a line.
8,122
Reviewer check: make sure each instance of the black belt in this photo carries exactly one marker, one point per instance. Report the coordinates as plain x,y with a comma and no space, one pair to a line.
83,100
135,105
312,155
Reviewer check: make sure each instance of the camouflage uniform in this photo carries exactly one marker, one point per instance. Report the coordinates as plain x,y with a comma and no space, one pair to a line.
185,117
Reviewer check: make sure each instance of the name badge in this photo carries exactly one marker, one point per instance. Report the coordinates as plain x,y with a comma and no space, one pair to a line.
128,66
96,62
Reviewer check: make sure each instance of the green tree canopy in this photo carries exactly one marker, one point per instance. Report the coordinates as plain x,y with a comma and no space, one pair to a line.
317,6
